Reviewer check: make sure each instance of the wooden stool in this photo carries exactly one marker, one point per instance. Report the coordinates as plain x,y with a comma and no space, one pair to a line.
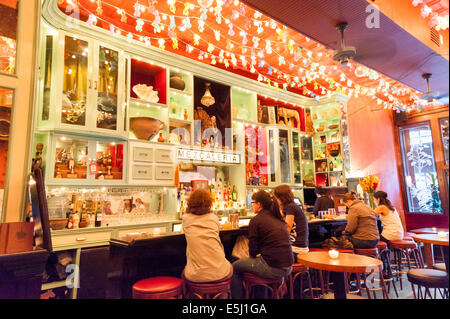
207,290
158,288
405,248
428,278
275,287
298,270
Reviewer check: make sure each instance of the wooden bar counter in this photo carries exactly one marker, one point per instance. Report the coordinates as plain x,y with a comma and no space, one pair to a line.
165,255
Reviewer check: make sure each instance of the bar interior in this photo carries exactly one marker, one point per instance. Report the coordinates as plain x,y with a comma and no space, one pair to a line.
156,144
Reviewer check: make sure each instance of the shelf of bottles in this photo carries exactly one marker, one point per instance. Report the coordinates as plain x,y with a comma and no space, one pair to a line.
109,207
216,180
327,147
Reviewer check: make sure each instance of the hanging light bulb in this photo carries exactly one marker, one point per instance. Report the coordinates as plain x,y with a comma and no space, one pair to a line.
207,99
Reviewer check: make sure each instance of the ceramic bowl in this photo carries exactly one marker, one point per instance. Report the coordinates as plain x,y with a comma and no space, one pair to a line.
58,223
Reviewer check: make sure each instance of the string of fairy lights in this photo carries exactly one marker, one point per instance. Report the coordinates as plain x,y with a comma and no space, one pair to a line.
251,57
437,21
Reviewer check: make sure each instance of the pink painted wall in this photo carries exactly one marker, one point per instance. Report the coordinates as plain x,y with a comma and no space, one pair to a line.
372,144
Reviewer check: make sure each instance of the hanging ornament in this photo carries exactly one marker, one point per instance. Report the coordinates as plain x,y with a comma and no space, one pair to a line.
230,30
186,9
205,3
213,60
270,70
244,37
210,48
255,41
234,14
137,9
201,25
174,43
189,48
268,47
139,25
217,35
196,39
161,44
92,20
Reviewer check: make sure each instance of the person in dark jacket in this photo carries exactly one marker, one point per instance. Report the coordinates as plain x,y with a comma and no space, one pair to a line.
323,202
295,218
269,245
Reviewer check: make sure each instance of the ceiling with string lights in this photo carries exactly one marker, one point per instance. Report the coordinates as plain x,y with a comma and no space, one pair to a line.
231,35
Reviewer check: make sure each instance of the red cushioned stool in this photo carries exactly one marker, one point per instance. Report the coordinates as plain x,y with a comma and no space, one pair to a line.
369,252
276,287
404,249
298,270
207,290
158,288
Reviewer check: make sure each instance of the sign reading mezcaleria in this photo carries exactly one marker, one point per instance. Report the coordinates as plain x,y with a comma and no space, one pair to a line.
208,156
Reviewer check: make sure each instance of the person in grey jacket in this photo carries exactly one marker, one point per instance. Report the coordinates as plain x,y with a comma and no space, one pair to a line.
362,229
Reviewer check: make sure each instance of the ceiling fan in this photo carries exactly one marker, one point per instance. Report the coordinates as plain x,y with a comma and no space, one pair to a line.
344,53
432,97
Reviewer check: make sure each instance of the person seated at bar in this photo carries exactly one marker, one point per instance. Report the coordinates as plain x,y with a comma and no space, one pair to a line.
205,255
362,229
323,202
270,249
295,218
390,219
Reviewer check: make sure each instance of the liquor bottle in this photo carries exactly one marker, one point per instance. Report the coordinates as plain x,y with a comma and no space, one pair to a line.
234,194
75,220
181,212
98,216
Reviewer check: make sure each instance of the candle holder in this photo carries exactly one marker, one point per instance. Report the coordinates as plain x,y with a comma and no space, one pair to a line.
334,254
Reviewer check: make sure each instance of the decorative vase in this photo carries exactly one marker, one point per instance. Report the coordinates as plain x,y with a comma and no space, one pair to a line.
176,82
372,200
161,138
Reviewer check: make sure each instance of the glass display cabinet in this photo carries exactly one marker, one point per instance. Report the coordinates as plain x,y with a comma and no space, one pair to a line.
327,146
77,160
243,105
256,162
89,90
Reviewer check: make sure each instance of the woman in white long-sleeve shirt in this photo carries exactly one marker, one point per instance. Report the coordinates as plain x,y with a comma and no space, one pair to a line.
390,219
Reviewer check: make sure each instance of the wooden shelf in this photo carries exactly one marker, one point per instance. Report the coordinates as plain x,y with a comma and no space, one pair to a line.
147,103
5,106
175,120
176,91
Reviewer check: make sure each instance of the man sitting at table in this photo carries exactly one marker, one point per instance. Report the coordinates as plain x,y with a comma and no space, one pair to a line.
362,229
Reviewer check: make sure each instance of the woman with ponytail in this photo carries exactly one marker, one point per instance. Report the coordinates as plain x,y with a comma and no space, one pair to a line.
390,219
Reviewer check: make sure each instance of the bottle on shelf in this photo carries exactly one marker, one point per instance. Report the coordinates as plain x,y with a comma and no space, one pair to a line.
234,194
75,220
185,115
71,221
98,215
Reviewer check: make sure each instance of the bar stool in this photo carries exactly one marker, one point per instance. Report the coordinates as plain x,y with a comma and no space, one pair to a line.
428,278
158,288
276,287
207,290
440,266
384,254
374,253
325,283
405,248
298,270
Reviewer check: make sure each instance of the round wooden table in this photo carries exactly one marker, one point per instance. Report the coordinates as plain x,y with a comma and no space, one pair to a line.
428,230
428,241
345,263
